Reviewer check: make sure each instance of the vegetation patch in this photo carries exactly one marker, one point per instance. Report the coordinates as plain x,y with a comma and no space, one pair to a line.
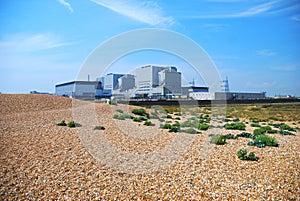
243,155
218,139
255,125
139,111
190,131
62,123
119,116
264,140
71,124
203,126
235,126
148,123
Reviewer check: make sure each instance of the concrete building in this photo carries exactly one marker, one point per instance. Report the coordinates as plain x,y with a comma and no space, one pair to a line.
111,81
227,96
157,81
78,89
185,91
126,82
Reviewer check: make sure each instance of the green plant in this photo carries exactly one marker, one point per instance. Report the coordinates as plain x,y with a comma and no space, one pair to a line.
174,129
218,139
286,133
242,154
119,110
177,118
62,123
139,111
169,116
71,124
111,102
266,140
235,126
166,126
119,116
190,131
255,125
148,123
137,119
245,135
203,126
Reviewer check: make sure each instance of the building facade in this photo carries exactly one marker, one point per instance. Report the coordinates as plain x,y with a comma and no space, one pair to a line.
78,89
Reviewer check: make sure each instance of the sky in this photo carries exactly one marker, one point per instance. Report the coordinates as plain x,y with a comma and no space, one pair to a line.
255,43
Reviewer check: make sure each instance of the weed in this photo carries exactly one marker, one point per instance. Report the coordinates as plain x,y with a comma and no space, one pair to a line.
139,111
218,140
190,131
148,123
242,154
119,116
235,126
71,124
203,126
255,125
62,123
119,110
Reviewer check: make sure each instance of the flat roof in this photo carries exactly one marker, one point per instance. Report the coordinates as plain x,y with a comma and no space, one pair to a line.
78,82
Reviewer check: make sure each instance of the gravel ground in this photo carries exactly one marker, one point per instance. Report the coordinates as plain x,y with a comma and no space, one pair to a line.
42,161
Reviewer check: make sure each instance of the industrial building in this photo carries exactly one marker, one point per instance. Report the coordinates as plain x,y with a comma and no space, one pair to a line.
227,96
157,81
78,89
150,81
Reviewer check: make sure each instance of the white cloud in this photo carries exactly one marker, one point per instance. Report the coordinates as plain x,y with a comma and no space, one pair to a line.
266,52
147,12
29,43
296,18
256,10
67,4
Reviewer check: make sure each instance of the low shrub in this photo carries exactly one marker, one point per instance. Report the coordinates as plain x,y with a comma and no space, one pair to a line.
236,120
235,126
139,111
169,116
174,129
286,127
218,140
245,135
203,126
166,126
177,124
190,131
242,154
62,123
264,140
119,116
119,110
148,123
177,118
71,124
137,119
230,136
187,124
286,133
111,102
255,125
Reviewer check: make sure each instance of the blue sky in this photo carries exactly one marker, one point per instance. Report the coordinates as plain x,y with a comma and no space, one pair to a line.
253,42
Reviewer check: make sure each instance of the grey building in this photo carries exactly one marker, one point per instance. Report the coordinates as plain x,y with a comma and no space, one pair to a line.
157,81
126,82
111,81
78,89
